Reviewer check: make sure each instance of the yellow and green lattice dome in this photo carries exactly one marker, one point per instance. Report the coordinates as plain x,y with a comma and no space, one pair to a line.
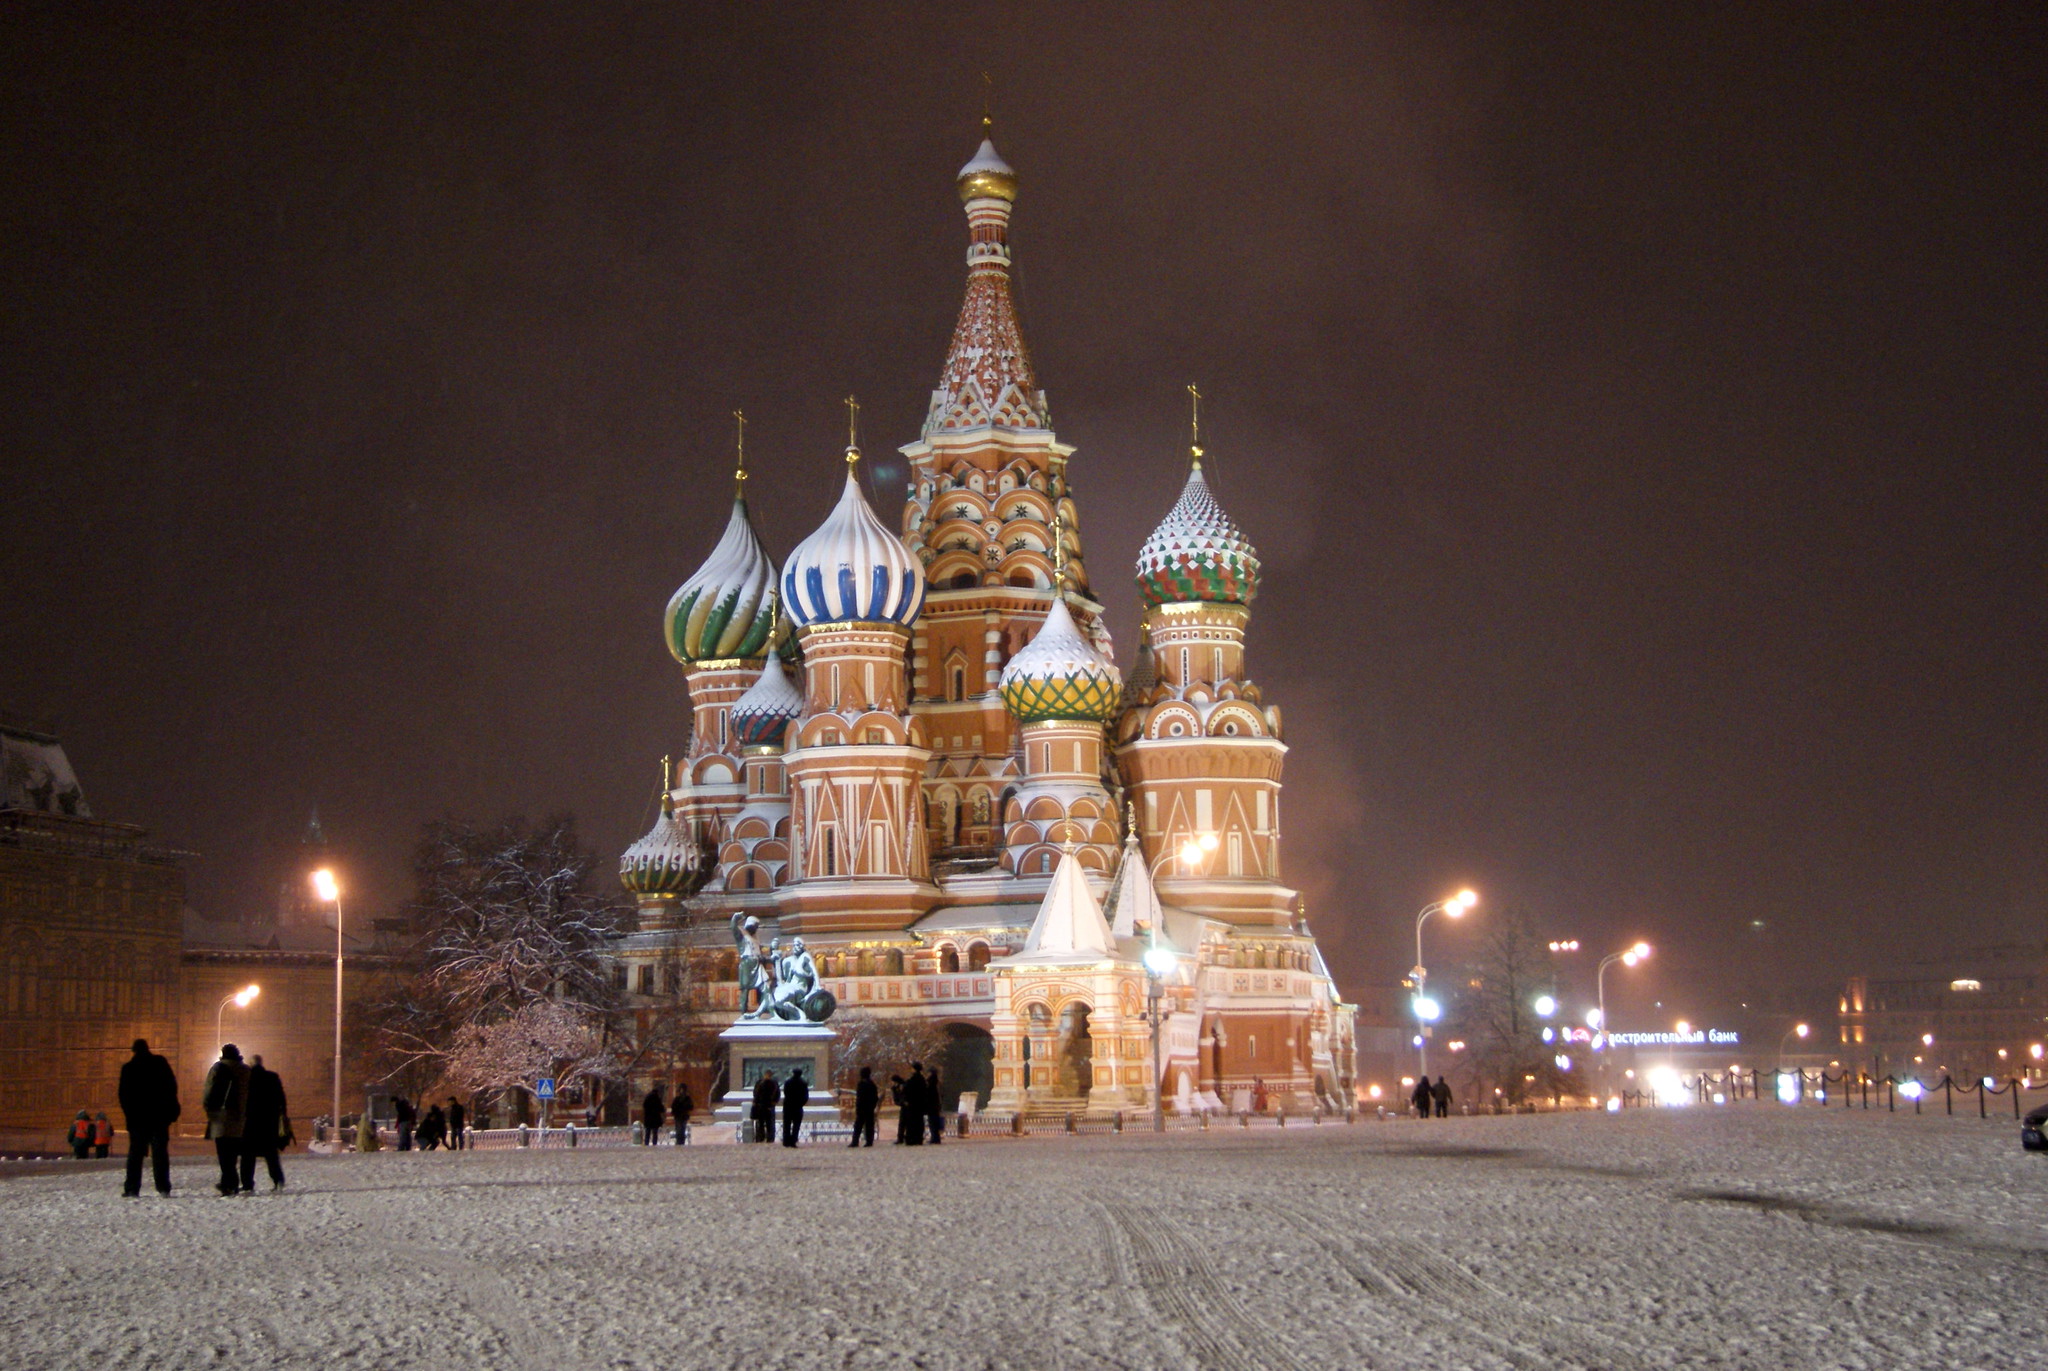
1060,675
727,610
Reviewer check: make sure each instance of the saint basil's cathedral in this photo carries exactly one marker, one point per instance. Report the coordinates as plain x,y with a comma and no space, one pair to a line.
913,751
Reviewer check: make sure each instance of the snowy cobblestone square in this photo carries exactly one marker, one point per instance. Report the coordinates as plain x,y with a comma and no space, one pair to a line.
1743,1237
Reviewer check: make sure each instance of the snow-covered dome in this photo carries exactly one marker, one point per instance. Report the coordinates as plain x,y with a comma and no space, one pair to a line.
852,570
727,609
762,714
1059,675
665,861
1197,553
988,176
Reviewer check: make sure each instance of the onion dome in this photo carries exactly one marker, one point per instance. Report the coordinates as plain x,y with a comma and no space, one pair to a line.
665,861
760,716
1197,553
988,176
852,570
1060,676
1144,675
727,609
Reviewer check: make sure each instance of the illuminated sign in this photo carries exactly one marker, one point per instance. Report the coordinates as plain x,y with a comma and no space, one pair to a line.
1698,1037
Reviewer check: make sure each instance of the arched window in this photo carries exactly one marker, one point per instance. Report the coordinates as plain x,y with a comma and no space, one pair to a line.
977,956
949,960
959,683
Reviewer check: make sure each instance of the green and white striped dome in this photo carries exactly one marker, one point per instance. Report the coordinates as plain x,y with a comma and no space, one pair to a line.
727,610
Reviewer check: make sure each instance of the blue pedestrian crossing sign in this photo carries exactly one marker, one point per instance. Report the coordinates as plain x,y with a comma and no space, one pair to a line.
544,1088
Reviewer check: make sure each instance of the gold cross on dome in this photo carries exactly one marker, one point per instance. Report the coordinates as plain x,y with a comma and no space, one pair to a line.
739,443
1195,422
852,430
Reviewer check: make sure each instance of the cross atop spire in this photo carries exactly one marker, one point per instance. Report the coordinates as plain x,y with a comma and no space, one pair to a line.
1195,426
739,443
987,381
852,430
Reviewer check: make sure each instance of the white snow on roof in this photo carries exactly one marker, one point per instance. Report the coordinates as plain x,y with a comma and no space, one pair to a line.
1069,920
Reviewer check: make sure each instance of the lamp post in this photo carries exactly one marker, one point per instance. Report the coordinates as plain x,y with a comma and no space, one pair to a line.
1426,1009
240,999
327,888
1158,962
1798,1030
1627,957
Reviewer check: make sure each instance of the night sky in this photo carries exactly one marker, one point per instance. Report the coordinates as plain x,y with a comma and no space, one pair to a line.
1639,412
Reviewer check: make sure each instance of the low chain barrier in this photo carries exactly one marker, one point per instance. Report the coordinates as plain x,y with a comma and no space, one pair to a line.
1857,1089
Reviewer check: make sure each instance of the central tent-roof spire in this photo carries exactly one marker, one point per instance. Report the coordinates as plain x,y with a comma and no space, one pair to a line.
987,381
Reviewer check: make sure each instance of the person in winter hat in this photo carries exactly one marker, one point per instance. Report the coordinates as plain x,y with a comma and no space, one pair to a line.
80,1136
102,1134
225,1097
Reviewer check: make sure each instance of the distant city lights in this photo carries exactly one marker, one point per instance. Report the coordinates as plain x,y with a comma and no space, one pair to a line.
1565,945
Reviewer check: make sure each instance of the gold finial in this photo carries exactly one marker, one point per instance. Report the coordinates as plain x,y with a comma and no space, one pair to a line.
988,105
852,430
1059,551
1195,440
1130,821
667,768
739,444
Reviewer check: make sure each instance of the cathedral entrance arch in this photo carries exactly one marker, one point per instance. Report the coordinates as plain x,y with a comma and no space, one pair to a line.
1076,1061
968,1063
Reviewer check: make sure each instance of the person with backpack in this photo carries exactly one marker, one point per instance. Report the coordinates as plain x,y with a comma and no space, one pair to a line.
149,1100
226,1101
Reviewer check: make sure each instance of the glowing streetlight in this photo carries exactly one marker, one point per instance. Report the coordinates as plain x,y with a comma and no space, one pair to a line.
240,999
1627,957
1546,1005
1798,1030
329,891
1454,907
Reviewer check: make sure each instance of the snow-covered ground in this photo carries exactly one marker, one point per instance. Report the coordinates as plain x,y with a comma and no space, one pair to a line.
1754,1236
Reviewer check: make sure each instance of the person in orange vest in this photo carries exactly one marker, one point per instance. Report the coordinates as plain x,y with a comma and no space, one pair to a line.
102,1134
80,1136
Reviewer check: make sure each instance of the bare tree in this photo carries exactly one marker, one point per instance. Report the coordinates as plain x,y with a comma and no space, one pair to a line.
888,1044
1496,1016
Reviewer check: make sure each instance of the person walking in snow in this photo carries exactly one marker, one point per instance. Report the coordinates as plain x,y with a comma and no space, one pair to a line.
765,1091
651,1115
795,1095
263,1127
225,1098
684,1106
934,1108
149,1100
867,1097
1441,1092
1422,1098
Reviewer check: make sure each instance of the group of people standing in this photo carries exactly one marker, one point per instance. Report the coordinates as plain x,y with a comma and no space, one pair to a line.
246,1117
920,1111
793,1093
449,1129
1427,1096
653,1114
90,1135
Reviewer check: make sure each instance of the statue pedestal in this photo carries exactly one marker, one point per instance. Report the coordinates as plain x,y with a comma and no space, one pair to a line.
776,1045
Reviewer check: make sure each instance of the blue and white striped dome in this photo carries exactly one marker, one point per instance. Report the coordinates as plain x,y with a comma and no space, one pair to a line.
852,570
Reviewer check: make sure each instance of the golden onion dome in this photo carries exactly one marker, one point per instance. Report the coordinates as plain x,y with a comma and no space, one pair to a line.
988,176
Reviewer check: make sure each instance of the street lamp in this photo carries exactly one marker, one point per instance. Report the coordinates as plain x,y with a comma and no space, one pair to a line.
329,889
1627,957
1427,1009
1799,1031
1158,962
1546,1005
1194,849
239,999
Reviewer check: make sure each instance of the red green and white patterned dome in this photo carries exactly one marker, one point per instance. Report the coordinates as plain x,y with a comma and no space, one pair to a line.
1059,675
1197,554
763,714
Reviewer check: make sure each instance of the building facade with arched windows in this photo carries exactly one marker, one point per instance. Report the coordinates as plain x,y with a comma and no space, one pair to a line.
912,749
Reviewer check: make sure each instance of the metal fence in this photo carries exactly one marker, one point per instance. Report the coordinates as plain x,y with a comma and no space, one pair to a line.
1854,1089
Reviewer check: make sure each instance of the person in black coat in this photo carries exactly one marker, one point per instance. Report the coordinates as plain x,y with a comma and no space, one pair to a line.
934,1108
867,1098
684,1107
458,1124
1441,1093
651,1115
405,1117
1422,1097
149,1099
765,1091
795,1094
910,1124
263,1126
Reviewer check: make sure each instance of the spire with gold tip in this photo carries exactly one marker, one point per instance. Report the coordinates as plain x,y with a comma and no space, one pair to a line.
664,861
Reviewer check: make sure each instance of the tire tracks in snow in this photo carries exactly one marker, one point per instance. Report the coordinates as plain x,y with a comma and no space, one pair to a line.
1422,1284
484,1294
1163,1266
